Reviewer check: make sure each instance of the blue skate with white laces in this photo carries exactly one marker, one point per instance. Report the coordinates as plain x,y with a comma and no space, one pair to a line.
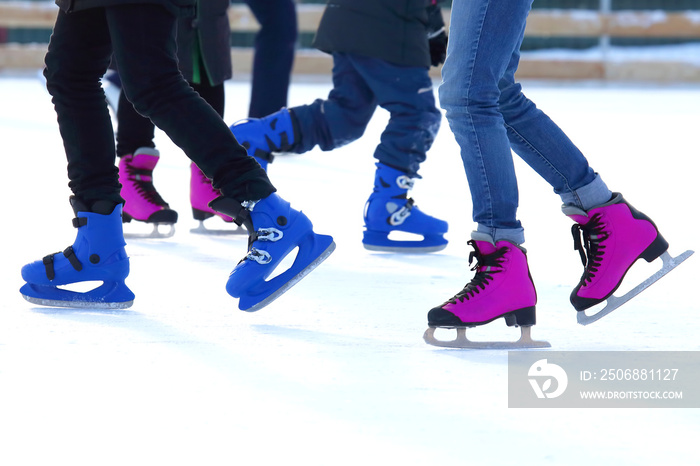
97,255
275,230
389,209
262,137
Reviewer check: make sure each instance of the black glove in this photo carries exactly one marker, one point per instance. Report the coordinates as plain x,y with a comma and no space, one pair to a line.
438,48
437,37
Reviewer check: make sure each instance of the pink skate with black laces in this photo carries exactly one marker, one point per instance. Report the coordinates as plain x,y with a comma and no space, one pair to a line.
610,238
201,194
501,287
142,201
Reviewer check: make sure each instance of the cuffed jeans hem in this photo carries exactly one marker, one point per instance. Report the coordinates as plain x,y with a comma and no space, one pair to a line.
514,235
591,195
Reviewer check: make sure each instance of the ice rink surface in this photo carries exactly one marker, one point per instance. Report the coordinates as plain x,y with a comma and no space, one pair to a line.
335,372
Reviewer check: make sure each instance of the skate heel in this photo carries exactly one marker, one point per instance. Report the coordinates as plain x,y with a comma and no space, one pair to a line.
201,215
524,317
655,249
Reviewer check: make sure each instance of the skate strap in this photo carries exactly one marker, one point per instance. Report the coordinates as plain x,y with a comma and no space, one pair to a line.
69,254
79,222
587,241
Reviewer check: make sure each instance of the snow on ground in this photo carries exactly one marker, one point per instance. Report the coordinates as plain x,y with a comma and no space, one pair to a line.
335,371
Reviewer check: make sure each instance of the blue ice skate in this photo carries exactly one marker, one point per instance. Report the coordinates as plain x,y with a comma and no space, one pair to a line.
263,136
97,255
275,230
390,209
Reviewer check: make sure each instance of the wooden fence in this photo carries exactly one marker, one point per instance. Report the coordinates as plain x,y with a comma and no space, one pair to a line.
542,23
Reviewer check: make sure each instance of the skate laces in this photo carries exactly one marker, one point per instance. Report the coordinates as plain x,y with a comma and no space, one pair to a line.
143,182
484,269
587,241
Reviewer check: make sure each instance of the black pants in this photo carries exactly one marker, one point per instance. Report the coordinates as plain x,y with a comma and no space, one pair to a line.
142,39
135,131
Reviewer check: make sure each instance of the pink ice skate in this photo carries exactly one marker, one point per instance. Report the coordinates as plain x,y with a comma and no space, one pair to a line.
610,238
142,201
501,287
201,194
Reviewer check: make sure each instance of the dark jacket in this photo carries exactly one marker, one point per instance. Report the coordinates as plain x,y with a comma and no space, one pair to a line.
393,30
210,29
178,7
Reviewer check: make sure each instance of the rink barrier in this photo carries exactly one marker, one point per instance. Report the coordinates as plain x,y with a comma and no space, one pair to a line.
541,23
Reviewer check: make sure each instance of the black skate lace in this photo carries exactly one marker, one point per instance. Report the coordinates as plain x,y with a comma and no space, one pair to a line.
145,188
481,278
587,241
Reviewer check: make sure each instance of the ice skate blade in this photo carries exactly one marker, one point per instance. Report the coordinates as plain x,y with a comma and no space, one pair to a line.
613,302
463,342
155,234
293,281
404,250
202,230
78,304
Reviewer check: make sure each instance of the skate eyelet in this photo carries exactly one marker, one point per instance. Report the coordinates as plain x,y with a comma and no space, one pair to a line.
94,259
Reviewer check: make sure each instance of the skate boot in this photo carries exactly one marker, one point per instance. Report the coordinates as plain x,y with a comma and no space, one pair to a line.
610,238
501,287
263,136
201,194
390,209
97,254
142,201
275,230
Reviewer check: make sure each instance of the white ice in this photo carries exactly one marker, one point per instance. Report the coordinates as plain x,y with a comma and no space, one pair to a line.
335,372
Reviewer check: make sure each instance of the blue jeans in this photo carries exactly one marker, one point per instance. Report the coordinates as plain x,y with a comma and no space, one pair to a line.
360,84
489,116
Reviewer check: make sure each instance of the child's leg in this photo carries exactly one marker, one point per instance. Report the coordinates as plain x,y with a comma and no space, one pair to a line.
484,36
343,116
407,94
77,58
143,38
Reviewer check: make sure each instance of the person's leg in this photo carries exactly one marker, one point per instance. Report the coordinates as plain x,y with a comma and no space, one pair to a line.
274,55
484,35
328,123
545,147
343,116
407,94
78,56
143,38
133,129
